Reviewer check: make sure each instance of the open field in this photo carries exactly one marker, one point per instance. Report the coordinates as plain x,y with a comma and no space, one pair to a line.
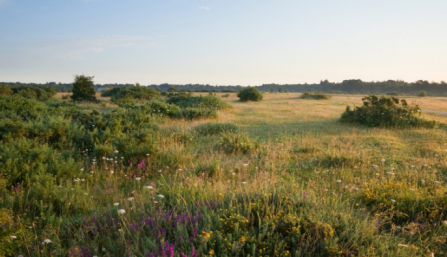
292,181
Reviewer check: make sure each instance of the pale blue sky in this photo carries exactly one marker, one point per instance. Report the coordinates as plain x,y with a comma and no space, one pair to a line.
245,42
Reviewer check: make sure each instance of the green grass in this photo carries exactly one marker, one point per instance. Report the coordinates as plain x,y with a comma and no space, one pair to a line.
262,179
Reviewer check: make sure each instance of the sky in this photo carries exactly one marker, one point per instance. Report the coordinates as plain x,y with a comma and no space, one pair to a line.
223,42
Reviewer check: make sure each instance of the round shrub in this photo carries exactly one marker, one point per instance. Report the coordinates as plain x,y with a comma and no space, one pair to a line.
422,93
386,112
250,94
314,96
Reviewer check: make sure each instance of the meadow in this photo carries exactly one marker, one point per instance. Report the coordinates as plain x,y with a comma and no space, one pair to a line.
281,177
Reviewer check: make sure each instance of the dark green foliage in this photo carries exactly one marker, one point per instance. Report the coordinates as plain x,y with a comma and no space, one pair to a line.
393,93
83,89
216,128
422,93
315,96
250,94
130,94
225,95
204,102
386,112
195,113
28,92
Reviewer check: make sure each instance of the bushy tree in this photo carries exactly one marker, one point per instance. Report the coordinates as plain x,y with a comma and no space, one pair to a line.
250,94
422,93
83,89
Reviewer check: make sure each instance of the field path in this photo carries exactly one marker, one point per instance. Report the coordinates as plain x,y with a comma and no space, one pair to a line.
424,110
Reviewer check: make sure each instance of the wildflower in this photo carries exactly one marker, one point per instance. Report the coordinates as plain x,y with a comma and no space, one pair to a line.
116,151
116,204
111,172
245,165
392,200
147,154
137,178
437,182
412,166
326,190
148,187
12,237
346,187
425,165
159,171
377,174
130,198
383,160
244,183
233,173
92,172
339,181
211,252
375,166
220,196
411,189
161,196
402,245
121,211
47,241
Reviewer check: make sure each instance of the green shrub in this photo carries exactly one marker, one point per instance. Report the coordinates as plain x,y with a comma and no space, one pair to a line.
393,93
237,143
315,96
130,94
65,97
387,112
225,95
216,128
83,89
422,93
5,90
205,102
195,113
250,94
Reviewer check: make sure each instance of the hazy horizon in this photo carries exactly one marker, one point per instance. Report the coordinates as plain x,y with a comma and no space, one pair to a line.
250,42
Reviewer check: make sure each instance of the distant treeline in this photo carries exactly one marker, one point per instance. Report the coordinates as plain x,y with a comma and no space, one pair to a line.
347,86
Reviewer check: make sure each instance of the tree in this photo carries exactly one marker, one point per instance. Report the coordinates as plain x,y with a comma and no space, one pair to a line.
250,94
83,89
422,93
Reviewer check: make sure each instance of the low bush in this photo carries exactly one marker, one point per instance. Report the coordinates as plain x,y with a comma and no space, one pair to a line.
130,94
250,94
225,95
216,128
196,113
393,93
237,143
206,102
387,112
315,96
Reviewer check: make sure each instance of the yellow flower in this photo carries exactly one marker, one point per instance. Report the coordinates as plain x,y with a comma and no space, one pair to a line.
242,239
220,196
211,252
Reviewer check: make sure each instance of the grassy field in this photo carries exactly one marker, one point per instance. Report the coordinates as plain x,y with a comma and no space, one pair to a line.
292,181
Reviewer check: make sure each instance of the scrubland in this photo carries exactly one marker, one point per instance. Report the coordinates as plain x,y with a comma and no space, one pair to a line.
281,177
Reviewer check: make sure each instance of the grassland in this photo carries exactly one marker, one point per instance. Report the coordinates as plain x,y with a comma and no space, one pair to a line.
292,181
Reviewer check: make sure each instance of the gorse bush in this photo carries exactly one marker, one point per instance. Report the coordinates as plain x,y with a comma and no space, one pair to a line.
387,112
29,92
422,93
131,94
233,143
315,96
250,94
203,102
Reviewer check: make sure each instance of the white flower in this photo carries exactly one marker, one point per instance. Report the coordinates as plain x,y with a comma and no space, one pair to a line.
339,181
377,174
402,245
375,166
92,172
411,189
159,170
116,151
121,211
233,173
326,190
383,160
12,237
137,178
161,196
412,166
244,183
116,204
245,165
147,154
130,198
111,172
103,249
346,186
82,179
392,200
425,165
256,167
437,182
148,187
47,241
